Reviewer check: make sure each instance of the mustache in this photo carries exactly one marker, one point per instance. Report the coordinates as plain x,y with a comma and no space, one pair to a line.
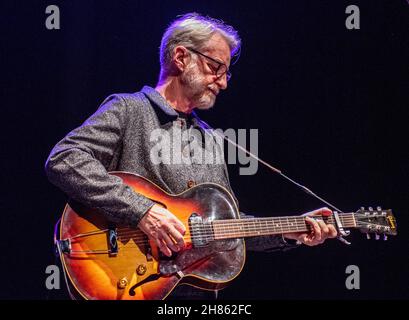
214,89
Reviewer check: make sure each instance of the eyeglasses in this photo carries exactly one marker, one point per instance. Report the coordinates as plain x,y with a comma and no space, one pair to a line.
221,67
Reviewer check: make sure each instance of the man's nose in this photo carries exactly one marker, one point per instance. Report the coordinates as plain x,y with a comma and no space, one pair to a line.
222,82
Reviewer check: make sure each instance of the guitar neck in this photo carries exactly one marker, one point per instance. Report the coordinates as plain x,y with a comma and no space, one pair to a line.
240,228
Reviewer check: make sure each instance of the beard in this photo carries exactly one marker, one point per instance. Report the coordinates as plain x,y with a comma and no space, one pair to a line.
196,88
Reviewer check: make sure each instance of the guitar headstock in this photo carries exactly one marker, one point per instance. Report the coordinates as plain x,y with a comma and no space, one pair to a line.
376,221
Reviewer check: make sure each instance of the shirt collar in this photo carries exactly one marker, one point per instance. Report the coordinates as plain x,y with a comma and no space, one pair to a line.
156,98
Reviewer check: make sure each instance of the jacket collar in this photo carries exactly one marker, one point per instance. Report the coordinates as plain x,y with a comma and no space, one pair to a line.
156,98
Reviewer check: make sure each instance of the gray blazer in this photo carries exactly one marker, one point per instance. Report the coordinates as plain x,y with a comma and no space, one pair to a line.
117,137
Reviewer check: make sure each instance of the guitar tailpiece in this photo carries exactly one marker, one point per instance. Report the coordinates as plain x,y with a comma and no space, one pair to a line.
63,245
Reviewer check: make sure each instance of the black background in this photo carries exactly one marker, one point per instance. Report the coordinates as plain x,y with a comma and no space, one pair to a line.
329,104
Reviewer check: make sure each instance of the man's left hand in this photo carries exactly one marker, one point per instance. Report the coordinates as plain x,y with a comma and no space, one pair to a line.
319,230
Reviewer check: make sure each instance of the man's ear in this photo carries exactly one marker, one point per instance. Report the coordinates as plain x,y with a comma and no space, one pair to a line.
180,58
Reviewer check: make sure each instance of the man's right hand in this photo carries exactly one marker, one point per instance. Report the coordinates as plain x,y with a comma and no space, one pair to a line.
164,228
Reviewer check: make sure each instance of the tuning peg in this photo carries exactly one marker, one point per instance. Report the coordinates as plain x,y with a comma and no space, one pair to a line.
368,236
377,236
385,237
370,208
378,208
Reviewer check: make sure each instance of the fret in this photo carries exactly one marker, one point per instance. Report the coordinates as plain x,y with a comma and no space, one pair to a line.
239,228
280,225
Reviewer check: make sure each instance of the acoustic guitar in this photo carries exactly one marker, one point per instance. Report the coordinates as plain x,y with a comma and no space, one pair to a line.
107,261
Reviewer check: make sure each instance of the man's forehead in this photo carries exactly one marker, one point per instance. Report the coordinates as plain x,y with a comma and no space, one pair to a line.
218,48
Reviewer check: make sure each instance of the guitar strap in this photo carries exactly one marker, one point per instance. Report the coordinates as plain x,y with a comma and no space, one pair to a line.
338,224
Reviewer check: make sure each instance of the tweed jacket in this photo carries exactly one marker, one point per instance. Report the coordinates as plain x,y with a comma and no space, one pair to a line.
118,137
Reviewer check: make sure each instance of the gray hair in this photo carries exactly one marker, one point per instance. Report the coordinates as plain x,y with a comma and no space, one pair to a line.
193,30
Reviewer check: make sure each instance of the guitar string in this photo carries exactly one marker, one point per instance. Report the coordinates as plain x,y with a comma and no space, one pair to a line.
241,223
274,222
136,234
144,238
208,229
250,228
146,241
130,246
230,233
238,229
247,226
251,220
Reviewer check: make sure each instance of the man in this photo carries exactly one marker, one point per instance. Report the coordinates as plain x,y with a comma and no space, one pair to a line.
195,56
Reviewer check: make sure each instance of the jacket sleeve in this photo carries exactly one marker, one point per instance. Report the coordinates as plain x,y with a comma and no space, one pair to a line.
267,243
80,162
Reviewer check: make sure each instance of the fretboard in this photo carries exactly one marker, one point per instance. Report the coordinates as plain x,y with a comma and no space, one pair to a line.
240,228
